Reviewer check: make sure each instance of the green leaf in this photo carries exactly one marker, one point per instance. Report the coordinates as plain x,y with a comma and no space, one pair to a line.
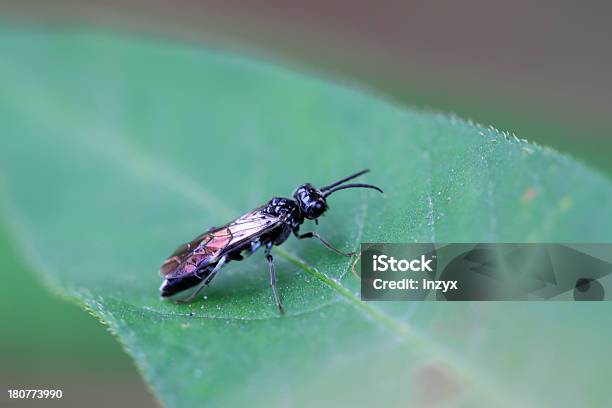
117,149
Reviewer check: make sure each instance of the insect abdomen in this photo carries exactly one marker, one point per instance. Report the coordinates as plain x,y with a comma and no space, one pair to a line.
172,286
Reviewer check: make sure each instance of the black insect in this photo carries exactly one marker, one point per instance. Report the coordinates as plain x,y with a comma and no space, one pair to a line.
195,264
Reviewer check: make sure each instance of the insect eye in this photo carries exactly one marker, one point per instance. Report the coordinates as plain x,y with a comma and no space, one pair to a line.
318,207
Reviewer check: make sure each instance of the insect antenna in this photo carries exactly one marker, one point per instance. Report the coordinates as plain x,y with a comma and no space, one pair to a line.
344,180
328,192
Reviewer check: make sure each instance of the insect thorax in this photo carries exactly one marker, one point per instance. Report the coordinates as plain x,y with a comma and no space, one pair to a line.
287,208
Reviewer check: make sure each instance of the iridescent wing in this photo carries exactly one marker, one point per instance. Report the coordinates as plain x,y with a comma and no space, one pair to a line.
207,248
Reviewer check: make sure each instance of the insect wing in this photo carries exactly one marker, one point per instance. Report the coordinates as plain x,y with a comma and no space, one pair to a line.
251,225
177,257
187,256
208,247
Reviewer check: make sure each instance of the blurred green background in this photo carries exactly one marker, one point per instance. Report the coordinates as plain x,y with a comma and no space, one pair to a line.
540,71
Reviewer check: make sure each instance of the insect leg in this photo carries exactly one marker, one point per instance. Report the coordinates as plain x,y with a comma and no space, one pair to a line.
313,234
193,294
205,281
270,259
